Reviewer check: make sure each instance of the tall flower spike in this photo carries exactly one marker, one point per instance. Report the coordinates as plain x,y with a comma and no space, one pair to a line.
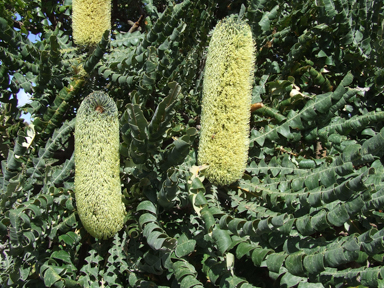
90,19
228,78
97,175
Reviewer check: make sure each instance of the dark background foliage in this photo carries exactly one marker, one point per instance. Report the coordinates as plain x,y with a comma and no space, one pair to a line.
308,210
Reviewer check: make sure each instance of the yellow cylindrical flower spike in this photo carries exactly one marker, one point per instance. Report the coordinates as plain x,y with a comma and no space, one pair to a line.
90,19
228,79
97,161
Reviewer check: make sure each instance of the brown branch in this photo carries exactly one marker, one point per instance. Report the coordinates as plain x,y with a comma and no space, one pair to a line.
135,25
281,149
19,25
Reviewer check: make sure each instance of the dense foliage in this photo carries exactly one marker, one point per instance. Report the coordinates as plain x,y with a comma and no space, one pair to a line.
306,213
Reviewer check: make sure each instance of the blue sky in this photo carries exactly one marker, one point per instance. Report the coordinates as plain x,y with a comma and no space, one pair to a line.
22,99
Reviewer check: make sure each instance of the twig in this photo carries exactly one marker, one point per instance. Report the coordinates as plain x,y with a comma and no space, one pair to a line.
281,149
135,25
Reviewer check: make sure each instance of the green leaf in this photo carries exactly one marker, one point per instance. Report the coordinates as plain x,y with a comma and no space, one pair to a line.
310,285
64,225
51,276
275,261
234,281
169,188
62,255
98,53
338,216
146,206
209,220
163,114
137,122
294,263
222,239
289,280
244,248
178,152
370,277
184,246
259,254
190,281
314,263
335,257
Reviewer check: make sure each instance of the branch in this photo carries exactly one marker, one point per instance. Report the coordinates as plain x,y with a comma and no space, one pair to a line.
19,25
135,25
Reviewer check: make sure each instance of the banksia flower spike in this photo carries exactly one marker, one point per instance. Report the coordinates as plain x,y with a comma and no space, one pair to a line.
228,78
90,19
97,161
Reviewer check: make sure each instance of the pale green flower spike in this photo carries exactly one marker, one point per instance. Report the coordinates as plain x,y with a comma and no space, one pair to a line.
90,19
97,160
228,79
